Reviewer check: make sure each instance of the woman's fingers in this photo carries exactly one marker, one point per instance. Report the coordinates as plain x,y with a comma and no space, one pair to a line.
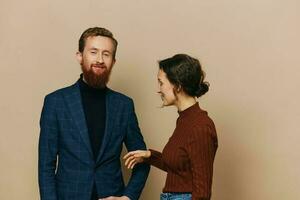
128,161
133,157
129,154
132,160
131,163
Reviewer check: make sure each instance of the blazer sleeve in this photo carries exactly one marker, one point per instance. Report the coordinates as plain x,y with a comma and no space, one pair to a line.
134,141
201,149
48,150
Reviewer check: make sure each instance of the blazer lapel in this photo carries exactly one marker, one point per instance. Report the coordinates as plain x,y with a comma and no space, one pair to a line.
111,109
74,103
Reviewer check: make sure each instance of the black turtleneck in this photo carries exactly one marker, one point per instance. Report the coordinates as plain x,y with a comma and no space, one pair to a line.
93,101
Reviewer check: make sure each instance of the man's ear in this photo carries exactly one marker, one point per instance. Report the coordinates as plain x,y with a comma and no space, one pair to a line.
114,61
79,57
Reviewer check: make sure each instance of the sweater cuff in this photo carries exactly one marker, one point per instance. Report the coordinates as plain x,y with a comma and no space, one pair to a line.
153,155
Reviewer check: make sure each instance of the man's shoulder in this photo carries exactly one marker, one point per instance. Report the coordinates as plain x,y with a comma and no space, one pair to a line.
118,95
59,93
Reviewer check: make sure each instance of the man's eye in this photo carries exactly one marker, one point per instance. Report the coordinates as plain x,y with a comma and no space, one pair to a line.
93,52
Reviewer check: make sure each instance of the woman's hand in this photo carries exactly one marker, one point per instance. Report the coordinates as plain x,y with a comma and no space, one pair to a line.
135,157
115,198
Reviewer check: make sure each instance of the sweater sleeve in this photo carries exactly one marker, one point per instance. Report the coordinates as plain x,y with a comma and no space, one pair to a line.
201,149
156,160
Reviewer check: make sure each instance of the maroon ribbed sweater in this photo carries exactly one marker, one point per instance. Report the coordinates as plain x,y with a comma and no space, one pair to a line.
189,154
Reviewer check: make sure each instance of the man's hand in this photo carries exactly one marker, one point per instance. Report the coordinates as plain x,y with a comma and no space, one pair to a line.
115,198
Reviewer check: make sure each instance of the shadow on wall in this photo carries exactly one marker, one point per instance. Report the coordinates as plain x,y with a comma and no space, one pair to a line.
126,172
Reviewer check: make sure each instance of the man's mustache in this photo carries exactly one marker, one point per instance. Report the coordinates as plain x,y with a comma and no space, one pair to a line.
98,65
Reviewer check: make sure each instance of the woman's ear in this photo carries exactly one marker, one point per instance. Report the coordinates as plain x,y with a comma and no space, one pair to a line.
178,89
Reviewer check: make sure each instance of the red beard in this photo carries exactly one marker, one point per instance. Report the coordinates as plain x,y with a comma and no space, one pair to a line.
95,80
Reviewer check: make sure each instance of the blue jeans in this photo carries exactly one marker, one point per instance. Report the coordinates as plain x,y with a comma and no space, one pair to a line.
175,196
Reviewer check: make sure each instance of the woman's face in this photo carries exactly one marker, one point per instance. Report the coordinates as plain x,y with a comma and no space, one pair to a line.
166,89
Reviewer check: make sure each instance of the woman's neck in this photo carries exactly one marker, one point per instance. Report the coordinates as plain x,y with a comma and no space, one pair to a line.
185,102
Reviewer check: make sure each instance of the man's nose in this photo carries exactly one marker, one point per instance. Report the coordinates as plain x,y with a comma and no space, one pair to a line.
100,58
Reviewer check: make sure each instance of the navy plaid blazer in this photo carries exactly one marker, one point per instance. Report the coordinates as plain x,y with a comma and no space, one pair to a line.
67,168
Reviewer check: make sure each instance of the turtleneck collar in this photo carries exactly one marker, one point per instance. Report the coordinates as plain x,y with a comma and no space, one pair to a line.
194,109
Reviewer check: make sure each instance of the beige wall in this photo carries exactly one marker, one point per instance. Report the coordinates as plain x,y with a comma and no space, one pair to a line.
249,49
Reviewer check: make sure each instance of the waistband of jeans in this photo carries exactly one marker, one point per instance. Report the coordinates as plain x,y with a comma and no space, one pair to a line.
167,194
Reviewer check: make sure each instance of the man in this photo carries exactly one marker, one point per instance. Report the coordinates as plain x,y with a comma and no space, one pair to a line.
83,128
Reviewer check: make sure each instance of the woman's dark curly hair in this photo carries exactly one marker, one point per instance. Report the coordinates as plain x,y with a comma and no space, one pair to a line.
185,72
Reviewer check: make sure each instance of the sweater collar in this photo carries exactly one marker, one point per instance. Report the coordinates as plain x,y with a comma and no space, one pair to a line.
190,110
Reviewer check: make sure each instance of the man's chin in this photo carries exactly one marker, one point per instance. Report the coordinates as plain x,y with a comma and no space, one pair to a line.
96,81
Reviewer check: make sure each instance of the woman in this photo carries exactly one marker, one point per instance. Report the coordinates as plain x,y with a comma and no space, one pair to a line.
189,154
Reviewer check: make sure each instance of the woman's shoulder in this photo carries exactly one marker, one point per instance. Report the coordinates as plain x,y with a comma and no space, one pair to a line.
202,125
